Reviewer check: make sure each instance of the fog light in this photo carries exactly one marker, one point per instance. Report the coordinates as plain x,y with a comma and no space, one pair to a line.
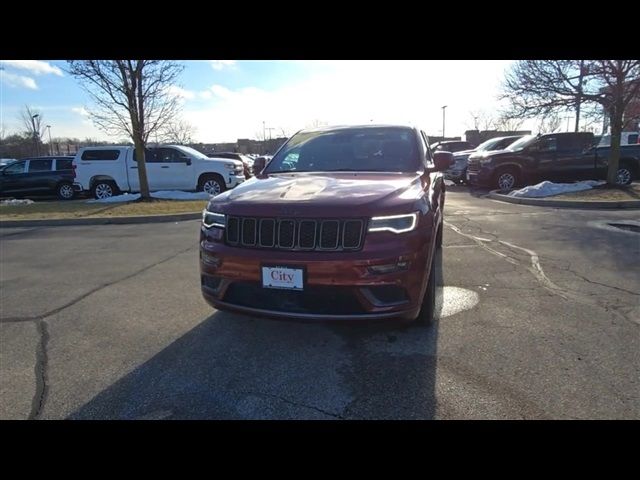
215,234
389,268
210,259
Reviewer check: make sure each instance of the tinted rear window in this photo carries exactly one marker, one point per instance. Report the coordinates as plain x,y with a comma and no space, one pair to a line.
633,138
100,154
43,165
64,164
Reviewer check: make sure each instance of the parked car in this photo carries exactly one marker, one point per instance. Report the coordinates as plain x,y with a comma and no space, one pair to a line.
626,138
38,176
246,160
107,171
556,156
343,223
452,146
6,161
458,172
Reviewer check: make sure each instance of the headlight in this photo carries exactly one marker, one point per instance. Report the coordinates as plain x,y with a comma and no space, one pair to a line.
485,161
230,166
211,219
394,223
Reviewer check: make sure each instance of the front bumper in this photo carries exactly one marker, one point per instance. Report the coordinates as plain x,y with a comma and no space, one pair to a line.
337,286
235,180
455,175
481,177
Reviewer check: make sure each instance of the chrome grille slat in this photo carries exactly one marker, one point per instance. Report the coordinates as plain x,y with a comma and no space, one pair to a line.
249,231
302,234
329,234
267,231
286,233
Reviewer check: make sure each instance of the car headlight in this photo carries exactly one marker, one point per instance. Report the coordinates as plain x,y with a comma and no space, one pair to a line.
211,219
394,223
485,161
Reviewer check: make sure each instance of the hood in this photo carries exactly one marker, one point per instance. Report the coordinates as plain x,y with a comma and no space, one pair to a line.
231,161
463,153
492,153
336,194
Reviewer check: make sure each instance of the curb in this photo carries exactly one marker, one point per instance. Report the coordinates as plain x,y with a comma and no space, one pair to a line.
64,222
564,204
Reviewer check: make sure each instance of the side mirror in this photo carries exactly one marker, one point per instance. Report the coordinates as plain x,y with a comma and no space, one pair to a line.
258,165
442,161
186,160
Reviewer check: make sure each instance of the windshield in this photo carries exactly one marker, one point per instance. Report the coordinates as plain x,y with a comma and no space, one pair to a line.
488,145
523,142
192,151
371,149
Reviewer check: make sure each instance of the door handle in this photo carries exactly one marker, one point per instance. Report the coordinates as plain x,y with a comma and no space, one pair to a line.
134,168
165,166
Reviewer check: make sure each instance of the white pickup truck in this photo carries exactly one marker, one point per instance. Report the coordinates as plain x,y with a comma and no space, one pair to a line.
107,171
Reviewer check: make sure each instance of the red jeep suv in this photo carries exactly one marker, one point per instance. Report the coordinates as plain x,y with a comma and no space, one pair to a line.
342,224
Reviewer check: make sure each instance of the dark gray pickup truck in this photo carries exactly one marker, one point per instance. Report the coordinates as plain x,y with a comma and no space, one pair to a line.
559,157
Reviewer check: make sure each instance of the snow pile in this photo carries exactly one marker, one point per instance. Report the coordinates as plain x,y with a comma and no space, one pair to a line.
548,189
162,194
14,201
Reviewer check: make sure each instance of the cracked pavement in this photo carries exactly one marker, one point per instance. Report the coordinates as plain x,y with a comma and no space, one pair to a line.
107,322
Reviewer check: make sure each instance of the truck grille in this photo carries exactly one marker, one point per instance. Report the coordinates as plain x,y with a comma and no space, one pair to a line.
473,165
295,234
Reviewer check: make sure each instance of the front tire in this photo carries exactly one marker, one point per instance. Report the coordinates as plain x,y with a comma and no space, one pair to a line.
506,179
212,184
65,191
104,189
624,176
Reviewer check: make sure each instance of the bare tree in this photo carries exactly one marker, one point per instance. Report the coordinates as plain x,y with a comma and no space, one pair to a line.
483,121
507,124
545,87
130,97
179,132
549,124
34,126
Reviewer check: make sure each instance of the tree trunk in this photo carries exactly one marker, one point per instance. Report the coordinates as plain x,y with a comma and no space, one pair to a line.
617,114
142,168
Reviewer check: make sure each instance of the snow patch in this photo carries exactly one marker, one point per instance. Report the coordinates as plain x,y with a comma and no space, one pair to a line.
162,194
548,189
14,201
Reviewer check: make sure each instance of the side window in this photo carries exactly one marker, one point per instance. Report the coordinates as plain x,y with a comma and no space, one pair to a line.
14,169
100,155
43,165
167,155
150,155
64,164
548,144
632,139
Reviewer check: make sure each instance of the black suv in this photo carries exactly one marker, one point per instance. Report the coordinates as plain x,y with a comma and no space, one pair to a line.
39,176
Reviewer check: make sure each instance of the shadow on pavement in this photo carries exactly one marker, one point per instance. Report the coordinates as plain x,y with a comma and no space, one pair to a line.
237,367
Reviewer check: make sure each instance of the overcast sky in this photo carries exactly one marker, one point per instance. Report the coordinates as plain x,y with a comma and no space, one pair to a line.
225,99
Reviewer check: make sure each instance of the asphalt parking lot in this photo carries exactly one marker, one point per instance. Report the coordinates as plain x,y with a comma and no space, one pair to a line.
539,319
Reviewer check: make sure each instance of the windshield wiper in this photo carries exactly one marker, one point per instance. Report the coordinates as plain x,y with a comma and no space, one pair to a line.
289,171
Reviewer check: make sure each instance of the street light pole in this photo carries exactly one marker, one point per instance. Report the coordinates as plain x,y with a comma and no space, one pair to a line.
35,133
50,142
443,122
